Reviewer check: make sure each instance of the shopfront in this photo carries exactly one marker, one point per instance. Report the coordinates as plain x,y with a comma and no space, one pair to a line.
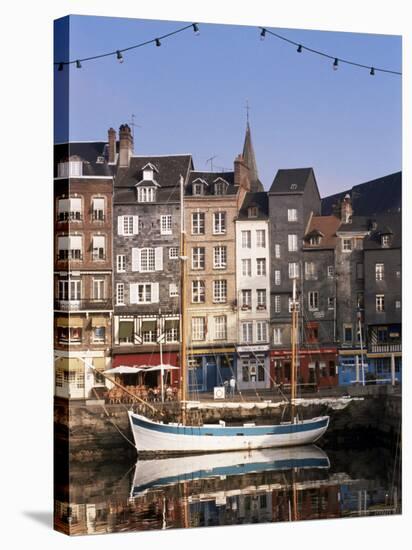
149,378
253,370
208,370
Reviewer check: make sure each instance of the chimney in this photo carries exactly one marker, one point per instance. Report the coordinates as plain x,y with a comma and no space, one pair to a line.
125,145
346,209
242,178
111,136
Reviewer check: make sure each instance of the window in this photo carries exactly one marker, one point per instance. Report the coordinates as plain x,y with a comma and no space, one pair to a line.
277,250
360,300
379,272
246,239
98,209
173,253
147,260
359,271
261,298
70,169
198,292
198,223
246,299
198,328
292,215
398,274
312,332
69,209
173,290
197,188
310,271
347,333
385,241
261,266
198,258
297,305
252,212
277,303
313,300
331,271
75,335
293,270
166,224
171,330
120,294
121,263
220,327
70,290
70,248
346,245
380,302
144,293
149,332
219,257
247,268
98,289
331,302
314,240
127,225
219,223
261,238
99,252
277,277
126,331
99,335
359,243
247,332
148,173
146,194
397,304
220,188
220,291
261,331
292,243
277,336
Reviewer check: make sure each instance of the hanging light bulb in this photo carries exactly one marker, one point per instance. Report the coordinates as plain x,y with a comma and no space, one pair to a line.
158,43
263,34
119,56
196,29
372,73
299,50
78,65
335,64
60,67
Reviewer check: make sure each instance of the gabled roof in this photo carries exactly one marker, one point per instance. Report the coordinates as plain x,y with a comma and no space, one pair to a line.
372,197
209,178
169,168
90,152
291,180
257,199
325,227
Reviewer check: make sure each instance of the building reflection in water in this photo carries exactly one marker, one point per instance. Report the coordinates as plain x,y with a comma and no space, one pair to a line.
225,489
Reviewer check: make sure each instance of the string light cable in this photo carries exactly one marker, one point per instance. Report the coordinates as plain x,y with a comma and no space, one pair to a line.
119,53
336,60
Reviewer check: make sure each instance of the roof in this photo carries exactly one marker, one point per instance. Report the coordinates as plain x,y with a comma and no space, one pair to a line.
326,226
386,224
291,180
255,199
209,178
359,224
169,169
89,152
250,161
372,197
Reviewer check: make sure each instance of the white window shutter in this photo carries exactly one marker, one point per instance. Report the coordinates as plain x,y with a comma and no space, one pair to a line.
120,225
133,293
155,293
135,259
159,258
135,225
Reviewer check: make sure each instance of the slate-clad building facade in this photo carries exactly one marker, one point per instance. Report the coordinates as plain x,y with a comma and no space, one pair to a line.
146,234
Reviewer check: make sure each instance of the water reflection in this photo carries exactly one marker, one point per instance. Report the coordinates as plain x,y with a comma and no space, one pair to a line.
228,488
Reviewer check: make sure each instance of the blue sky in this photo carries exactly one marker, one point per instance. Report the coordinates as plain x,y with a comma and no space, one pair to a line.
189,96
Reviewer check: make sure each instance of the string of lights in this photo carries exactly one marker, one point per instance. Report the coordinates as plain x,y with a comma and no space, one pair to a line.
336,60
119,53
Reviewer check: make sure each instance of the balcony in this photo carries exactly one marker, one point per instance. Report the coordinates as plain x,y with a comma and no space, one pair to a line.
83,305
385,348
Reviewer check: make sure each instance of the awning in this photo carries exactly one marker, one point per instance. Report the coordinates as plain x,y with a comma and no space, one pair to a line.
99,363
171,323
70,321
161,367
98,241
126,329
149,325
123,369
98,203
99,321
69,363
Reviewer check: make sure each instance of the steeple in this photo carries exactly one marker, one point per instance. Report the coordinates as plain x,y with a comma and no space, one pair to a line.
250,160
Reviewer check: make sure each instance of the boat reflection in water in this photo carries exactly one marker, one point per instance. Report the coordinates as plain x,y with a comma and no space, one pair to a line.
271,485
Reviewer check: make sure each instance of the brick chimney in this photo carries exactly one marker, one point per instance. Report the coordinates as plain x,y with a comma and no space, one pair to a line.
346,209
111,137
125,145
242,178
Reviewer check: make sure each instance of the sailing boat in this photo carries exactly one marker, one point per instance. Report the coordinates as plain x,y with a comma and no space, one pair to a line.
155,437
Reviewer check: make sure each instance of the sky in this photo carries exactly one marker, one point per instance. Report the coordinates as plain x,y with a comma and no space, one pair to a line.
190,94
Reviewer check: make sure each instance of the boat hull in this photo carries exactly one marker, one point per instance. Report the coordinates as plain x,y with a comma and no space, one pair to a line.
156,438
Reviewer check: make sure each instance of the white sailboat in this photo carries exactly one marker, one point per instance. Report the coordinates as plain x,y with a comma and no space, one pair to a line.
154,437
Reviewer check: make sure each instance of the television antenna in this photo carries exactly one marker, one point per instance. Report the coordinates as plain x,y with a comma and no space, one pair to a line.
211,161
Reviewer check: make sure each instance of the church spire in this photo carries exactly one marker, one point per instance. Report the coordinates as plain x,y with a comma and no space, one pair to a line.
250,160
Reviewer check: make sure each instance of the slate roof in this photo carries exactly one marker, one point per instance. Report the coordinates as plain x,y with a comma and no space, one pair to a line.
291,180
385,224
325,225
358,224
88,151
372,197
209,178
258,199
169,170
250,161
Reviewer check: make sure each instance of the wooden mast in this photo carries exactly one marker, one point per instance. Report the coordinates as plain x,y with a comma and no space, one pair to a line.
293,344
183,313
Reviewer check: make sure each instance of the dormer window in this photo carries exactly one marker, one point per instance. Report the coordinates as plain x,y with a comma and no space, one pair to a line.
385,241
197,189
70,169
220,186
252,212
146,194
314,240
148,172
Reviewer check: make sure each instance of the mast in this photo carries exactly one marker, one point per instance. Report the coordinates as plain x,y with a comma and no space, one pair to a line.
183,314
294,350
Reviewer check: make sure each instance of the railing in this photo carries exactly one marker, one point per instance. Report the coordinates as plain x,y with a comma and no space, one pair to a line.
80,305
70,255
385,348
